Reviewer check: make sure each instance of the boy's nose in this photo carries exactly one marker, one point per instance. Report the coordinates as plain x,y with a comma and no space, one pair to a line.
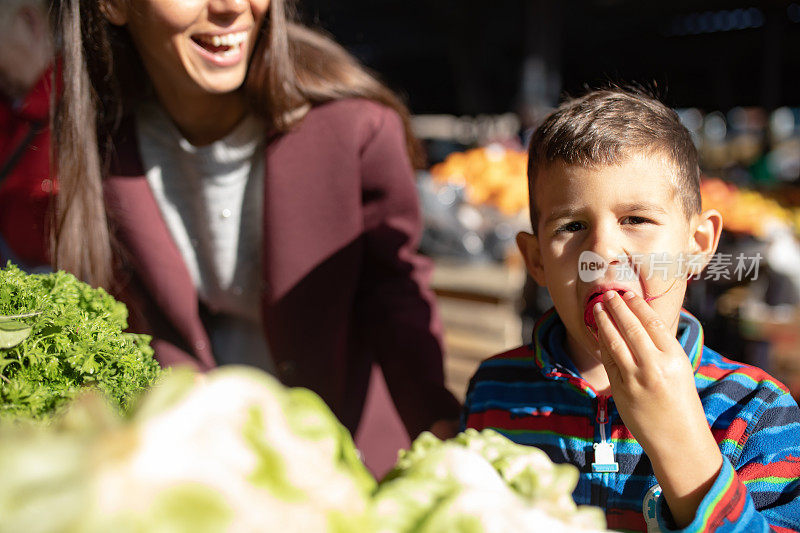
607,244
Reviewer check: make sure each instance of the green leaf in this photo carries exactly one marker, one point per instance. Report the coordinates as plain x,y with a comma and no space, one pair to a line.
190,507
270,471
12,332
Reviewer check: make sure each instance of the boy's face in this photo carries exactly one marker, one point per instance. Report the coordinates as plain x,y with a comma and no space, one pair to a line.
614,227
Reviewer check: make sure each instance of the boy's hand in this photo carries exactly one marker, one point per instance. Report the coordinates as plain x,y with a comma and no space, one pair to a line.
652,383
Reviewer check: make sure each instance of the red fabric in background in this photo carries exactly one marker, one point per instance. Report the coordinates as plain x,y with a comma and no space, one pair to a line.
25,193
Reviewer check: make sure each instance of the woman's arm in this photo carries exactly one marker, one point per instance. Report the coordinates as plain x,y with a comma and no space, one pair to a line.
396,306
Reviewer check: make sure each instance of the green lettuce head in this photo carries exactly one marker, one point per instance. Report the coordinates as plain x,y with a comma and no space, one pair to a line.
480,482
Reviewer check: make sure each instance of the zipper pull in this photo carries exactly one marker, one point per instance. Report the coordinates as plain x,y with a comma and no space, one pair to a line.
603,451
602,410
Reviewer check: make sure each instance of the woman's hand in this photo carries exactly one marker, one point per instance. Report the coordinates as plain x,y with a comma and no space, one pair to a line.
652,382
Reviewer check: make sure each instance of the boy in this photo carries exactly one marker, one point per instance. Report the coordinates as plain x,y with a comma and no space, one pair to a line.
666,433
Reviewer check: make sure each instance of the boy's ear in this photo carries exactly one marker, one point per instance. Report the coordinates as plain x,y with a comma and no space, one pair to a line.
706,234
115,11
528,246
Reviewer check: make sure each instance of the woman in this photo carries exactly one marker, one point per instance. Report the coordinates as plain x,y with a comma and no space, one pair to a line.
259,196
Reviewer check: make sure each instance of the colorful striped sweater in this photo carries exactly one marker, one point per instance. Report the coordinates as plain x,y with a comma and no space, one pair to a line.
535,396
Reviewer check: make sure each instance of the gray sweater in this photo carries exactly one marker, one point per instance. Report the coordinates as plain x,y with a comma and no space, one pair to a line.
211,198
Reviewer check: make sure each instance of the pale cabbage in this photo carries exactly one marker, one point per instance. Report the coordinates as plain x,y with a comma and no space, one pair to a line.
480,482
231,451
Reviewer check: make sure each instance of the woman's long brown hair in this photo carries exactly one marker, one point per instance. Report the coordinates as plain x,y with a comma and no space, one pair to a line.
292,69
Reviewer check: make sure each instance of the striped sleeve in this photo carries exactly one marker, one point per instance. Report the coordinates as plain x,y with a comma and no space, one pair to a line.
763,492
466,409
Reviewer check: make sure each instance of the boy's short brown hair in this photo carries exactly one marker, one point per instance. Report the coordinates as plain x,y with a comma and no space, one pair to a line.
604,127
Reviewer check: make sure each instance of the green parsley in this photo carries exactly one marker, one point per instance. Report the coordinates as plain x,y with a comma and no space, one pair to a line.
58,336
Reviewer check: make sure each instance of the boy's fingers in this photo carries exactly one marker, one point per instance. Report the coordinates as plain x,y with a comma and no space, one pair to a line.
630,327
612,369
651,321
611,342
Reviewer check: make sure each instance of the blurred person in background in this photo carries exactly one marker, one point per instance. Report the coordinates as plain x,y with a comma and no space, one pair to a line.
260,205
25,84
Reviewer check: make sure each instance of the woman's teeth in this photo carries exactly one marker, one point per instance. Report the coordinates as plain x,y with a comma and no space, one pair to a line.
229,41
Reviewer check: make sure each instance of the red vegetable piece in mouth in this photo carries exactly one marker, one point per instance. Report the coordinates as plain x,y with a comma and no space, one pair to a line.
588,313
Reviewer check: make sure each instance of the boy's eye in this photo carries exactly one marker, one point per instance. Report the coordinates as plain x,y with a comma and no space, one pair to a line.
570,227
635,220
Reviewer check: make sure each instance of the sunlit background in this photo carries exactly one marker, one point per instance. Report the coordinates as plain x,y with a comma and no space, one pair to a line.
480,76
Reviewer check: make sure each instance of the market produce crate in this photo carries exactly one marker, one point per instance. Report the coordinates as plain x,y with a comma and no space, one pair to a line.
479,306
780,326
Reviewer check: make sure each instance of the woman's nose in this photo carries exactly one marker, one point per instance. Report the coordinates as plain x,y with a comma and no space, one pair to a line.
227,7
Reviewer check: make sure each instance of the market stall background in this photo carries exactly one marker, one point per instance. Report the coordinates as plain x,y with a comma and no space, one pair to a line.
478,78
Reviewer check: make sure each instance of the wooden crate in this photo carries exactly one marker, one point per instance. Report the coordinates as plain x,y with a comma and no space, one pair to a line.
479,306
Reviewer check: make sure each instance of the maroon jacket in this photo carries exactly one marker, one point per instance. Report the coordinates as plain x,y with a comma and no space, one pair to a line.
342,285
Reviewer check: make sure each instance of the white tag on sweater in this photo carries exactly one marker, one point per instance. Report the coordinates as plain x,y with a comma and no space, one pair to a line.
604,458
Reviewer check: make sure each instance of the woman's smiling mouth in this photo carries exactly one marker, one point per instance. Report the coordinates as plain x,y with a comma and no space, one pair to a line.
221,50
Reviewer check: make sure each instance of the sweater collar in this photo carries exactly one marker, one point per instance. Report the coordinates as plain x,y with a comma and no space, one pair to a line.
549,339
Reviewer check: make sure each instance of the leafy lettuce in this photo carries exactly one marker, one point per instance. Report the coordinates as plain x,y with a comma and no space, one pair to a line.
479,482
59,336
